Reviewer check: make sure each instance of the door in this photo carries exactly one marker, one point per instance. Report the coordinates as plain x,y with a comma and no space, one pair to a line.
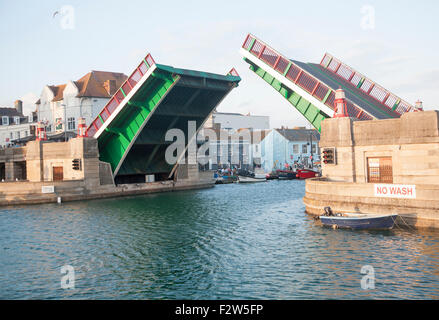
58,174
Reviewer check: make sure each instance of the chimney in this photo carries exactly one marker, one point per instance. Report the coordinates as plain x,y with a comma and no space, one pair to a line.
110,86
19,106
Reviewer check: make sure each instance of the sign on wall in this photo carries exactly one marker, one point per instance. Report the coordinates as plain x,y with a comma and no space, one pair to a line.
395,191
48,189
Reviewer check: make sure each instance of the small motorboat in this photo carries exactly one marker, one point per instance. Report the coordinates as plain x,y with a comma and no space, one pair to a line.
306,174
357,221
272,176
246,179
286,174
225,179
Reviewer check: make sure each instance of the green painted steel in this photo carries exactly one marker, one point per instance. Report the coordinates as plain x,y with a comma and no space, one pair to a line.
133,141
313,114
327,96
396,104
116,140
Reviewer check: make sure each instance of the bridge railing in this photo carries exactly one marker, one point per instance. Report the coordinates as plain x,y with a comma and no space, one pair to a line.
296,74
120,94
366,85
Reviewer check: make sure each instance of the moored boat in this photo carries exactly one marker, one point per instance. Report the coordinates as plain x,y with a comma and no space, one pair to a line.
306,174
244,179
286,174
358,220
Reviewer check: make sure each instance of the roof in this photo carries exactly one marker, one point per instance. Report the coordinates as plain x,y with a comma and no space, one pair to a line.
299,134
90,85
57,92
256,135
93,83
10,112
228,113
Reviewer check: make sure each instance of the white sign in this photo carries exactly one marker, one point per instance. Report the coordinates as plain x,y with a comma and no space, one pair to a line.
48,189
395,191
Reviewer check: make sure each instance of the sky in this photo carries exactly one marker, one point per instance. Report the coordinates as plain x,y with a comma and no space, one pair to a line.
395,43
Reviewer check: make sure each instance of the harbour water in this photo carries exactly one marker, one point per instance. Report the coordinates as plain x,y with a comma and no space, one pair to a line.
250,241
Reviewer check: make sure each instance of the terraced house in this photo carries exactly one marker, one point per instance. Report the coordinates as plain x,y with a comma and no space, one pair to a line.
60,106
14,125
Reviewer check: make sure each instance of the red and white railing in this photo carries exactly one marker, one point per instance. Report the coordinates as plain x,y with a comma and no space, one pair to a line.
299,76
366,85
120,95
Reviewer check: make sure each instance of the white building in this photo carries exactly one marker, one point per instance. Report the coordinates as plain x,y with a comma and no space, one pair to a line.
14,125
61,106
289,147
236,121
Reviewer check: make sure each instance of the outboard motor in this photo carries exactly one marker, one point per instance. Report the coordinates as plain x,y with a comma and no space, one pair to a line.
328,212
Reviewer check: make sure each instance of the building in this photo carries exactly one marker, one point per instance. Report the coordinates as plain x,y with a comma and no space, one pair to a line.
235,121
60,106
43,172
14,125
288,147
380,166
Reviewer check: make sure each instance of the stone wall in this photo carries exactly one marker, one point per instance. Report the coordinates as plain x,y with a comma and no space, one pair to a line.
412,141
413,144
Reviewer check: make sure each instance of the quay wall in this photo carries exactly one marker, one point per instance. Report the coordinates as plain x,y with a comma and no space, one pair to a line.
23,193
399,152
422,212
41,172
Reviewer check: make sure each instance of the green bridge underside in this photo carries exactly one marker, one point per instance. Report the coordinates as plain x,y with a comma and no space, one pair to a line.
134,142
313,114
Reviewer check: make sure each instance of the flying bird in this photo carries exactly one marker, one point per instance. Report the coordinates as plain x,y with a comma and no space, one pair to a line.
54,14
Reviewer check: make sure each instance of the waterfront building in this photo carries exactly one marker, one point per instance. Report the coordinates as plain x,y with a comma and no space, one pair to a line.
14,126
236,121
60,106
237,140
232,148
380,166
288,147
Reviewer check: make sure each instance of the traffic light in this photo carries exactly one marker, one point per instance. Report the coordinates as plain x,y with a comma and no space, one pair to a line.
329,156
76,164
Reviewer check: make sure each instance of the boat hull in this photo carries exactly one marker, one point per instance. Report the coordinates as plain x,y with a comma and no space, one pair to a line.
368,222
243,179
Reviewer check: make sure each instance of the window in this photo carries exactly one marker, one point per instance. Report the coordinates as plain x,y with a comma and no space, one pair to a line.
31,119
17,120
17,135
295,148
26,133
380,170
5,121
71,124
314,148
304,148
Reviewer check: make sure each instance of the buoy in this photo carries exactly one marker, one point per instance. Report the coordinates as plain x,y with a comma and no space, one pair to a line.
334,226
59,199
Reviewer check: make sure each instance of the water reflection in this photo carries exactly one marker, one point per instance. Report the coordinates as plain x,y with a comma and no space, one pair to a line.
229,242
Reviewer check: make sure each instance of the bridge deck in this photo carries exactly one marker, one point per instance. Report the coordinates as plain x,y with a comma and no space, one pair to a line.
310,87
131,133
